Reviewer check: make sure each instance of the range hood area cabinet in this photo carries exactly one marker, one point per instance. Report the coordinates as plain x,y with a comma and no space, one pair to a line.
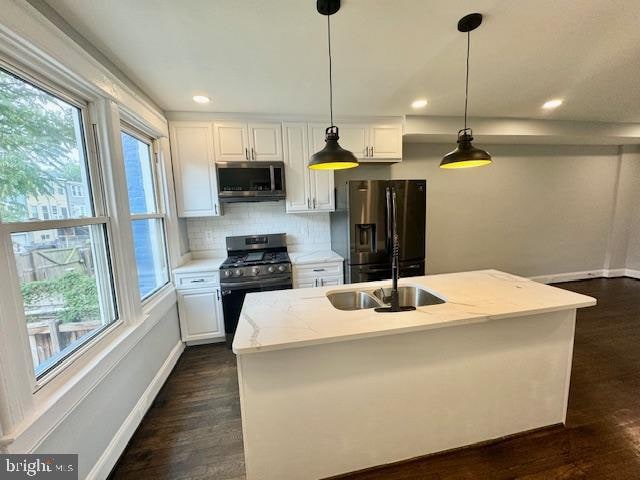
246,142
307,190
196,146
369,142
194,169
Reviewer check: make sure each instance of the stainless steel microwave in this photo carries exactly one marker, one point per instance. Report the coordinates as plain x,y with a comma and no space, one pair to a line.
250,181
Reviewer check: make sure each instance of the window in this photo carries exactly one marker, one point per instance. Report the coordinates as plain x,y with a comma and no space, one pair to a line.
147,218
62,264
76,190
60,191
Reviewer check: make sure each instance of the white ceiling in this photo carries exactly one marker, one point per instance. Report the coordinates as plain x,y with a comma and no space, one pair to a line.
269,56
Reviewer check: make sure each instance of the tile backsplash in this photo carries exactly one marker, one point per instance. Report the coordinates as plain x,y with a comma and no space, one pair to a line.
256,218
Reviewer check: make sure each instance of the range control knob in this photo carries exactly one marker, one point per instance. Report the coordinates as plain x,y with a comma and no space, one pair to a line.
271,269
255,270
282,268
228,273
238,272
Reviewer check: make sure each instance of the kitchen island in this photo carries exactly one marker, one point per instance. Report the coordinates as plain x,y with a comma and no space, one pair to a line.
326,391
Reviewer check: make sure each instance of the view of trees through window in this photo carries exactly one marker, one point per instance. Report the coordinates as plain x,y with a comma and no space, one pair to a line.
63,264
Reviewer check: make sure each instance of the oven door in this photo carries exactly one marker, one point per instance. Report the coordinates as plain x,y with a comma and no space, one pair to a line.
250,181
233,298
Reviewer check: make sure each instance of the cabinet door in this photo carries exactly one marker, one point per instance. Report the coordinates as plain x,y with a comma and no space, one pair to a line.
385,141
296,158
353,137
194,169
306,283
265,142
199,311
322,181
328,281
231,142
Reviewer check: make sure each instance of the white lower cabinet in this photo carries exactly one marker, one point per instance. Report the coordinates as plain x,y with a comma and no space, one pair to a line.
318,275
200,311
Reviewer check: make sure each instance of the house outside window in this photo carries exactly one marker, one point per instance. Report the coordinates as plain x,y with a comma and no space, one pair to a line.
63,265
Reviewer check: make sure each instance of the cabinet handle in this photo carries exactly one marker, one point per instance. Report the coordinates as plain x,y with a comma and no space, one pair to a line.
372,150
218,294
246,153
200,280
308,203
215,208
322,282
366,151
253,154
314,203
318,269
315,284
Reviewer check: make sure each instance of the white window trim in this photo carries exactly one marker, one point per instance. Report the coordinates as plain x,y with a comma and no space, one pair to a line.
26,418
158,195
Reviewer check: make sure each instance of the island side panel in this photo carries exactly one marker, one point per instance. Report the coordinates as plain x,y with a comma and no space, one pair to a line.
322,410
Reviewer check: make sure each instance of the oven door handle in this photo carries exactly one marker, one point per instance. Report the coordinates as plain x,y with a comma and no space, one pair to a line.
258,283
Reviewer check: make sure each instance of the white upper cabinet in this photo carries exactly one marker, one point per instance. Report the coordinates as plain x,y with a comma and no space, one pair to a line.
231,141
307,190
296,157
242,142
372,142
265,142
385,141
194,169
354,137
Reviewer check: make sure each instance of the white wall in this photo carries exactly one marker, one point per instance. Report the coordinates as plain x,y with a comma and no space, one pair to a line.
94,422
537,210
630,185
303,230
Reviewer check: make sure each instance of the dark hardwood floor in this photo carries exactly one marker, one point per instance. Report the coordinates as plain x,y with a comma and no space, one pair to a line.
193,430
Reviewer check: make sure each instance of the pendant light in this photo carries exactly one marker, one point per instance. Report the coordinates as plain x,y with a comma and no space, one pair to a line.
466,155
332,156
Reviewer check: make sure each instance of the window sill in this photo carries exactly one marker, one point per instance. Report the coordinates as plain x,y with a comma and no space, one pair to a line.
59,397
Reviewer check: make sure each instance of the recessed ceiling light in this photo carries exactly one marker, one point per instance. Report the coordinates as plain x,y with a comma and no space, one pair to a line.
420,103
551,104
201,99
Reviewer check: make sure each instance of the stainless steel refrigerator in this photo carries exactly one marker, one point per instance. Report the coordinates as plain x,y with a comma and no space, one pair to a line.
361,228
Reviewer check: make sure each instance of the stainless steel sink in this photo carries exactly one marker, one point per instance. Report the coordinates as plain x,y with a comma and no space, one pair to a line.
352,300
408,296
363,299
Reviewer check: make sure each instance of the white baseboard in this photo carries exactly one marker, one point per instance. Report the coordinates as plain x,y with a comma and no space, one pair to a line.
110,456
587,274
632,273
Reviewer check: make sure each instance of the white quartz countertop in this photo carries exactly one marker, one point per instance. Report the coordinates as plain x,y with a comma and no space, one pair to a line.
317,256
294,318
200,265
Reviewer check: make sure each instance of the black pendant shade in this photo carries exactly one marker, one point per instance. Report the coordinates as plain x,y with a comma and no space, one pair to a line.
332,156
466,155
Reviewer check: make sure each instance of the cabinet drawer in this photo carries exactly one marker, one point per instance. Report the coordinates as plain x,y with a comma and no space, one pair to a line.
318,270
196,280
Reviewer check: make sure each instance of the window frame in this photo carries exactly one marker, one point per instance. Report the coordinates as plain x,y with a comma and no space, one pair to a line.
100,216
159,198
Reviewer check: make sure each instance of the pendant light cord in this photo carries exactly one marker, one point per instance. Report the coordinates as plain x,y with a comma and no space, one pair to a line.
330,73
466,88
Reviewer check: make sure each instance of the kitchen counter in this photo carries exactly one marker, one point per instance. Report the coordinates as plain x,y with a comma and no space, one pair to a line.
317,256
295,318
200,265
325,392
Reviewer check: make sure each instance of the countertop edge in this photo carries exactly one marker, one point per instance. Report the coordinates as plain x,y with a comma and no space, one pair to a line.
413,328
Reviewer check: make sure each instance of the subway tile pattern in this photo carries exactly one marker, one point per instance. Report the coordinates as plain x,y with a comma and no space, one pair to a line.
256,218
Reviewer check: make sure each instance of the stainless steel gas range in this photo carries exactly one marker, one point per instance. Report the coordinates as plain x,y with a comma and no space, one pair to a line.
255,263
